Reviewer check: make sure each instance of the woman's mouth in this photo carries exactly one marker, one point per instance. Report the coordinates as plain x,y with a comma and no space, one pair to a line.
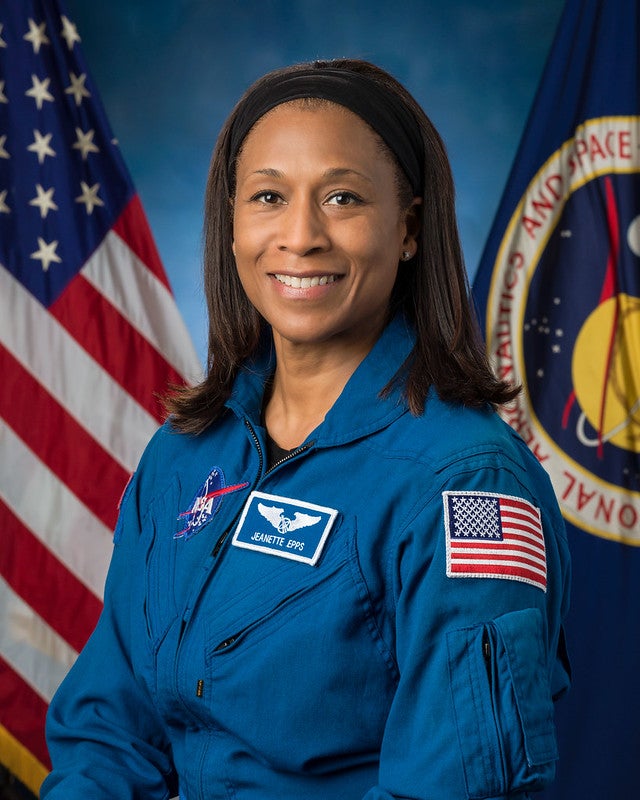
296,282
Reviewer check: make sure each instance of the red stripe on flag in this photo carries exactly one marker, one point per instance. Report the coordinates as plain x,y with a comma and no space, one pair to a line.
501,569
45,583
97,325
59,441
132,226
22,712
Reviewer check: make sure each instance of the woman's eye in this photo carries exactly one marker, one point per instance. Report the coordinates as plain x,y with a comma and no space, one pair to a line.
268,198
343,199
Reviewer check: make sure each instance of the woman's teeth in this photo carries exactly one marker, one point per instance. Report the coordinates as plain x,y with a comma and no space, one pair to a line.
305,283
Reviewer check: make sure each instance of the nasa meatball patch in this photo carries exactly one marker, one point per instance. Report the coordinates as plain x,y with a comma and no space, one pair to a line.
205,504
284,527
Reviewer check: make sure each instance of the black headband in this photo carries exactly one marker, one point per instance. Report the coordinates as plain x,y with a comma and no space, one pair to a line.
377,105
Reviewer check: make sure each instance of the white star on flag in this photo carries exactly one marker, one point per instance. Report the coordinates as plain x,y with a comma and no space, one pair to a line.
40,91
3,152
2,41
69,32
44,200
77,88
4,208
36,35
41,146
3,97
89,196
84,143
46,253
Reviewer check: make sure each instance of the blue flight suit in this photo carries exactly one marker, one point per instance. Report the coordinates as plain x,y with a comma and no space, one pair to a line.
310,631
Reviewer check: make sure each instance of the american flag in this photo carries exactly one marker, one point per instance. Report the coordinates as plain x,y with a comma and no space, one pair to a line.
494,536
89,337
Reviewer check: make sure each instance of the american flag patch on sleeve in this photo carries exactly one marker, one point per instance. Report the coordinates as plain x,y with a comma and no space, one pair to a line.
494,536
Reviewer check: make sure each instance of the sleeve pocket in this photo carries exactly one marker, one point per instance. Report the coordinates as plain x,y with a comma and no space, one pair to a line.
501,695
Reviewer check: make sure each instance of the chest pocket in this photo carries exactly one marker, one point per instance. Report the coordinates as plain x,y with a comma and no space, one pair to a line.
302,674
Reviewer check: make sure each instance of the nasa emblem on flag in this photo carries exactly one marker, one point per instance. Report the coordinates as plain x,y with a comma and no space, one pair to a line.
563,319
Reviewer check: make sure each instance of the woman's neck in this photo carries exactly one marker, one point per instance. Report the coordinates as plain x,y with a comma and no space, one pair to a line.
306,384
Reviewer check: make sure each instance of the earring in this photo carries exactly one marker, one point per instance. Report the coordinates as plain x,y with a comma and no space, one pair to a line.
406,255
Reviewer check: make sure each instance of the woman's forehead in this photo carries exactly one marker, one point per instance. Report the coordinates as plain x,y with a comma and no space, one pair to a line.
316,127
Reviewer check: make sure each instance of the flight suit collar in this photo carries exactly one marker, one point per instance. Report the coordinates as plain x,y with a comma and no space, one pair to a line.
359,410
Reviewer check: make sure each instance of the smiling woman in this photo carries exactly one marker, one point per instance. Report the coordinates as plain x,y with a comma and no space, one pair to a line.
319,233
337,572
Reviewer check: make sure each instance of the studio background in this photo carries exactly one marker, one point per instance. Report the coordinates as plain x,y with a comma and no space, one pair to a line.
170,71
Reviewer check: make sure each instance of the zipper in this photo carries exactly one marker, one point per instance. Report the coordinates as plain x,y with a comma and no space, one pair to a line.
289,456
492,678
256,441
487,654
226,643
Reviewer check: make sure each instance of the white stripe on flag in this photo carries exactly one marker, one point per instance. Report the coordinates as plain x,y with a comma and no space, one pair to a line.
53,513
65,369
117,273
34,650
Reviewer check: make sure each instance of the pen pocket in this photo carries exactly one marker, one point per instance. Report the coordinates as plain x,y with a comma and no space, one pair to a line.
501,695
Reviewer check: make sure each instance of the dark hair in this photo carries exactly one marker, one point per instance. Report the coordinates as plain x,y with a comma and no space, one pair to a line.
431,290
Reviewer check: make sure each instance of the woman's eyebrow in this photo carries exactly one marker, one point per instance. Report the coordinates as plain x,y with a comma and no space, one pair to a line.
332,172
269,172
342,172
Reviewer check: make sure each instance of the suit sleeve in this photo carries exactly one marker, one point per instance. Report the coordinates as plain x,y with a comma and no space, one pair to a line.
104,737
480,658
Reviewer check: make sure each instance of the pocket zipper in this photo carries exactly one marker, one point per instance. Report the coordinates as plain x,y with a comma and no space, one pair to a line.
492,679
230,640
487,655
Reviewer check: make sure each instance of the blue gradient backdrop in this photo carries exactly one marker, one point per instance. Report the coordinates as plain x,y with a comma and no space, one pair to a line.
169,72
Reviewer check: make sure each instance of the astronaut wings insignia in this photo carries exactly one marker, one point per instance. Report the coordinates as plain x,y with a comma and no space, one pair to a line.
297,530
285,524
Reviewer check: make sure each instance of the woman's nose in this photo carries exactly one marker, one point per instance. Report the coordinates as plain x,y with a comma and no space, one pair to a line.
303,229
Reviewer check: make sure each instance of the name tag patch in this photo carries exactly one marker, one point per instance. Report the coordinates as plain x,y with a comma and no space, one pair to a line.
284,527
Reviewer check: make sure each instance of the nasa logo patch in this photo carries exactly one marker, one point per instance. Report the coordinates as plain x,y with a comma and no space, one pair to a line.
205,504
284,527
571,336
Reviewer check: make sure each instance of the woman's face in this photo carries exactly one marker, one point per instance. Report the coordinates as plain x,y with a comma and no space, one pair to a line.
318,229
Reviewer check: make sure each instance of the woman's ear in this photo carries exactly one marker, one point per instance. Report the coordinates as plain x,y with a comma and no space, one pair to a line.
413,224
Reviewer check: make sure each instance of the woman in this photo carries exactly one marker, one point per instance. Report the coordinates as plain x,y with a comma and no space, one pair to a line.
337,573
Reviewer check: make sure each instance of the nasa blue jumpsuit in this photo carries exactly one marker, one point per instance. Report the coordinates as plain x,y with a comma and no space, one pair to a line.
317,630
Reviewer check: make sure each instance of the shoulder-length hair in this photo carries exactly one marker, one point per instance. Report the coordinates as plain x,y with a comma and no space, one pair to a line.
431,289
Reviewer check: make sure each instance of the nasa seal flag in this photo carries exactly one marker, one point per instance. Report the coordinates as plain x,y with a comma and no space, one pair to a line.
571,336
558,289
284,527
